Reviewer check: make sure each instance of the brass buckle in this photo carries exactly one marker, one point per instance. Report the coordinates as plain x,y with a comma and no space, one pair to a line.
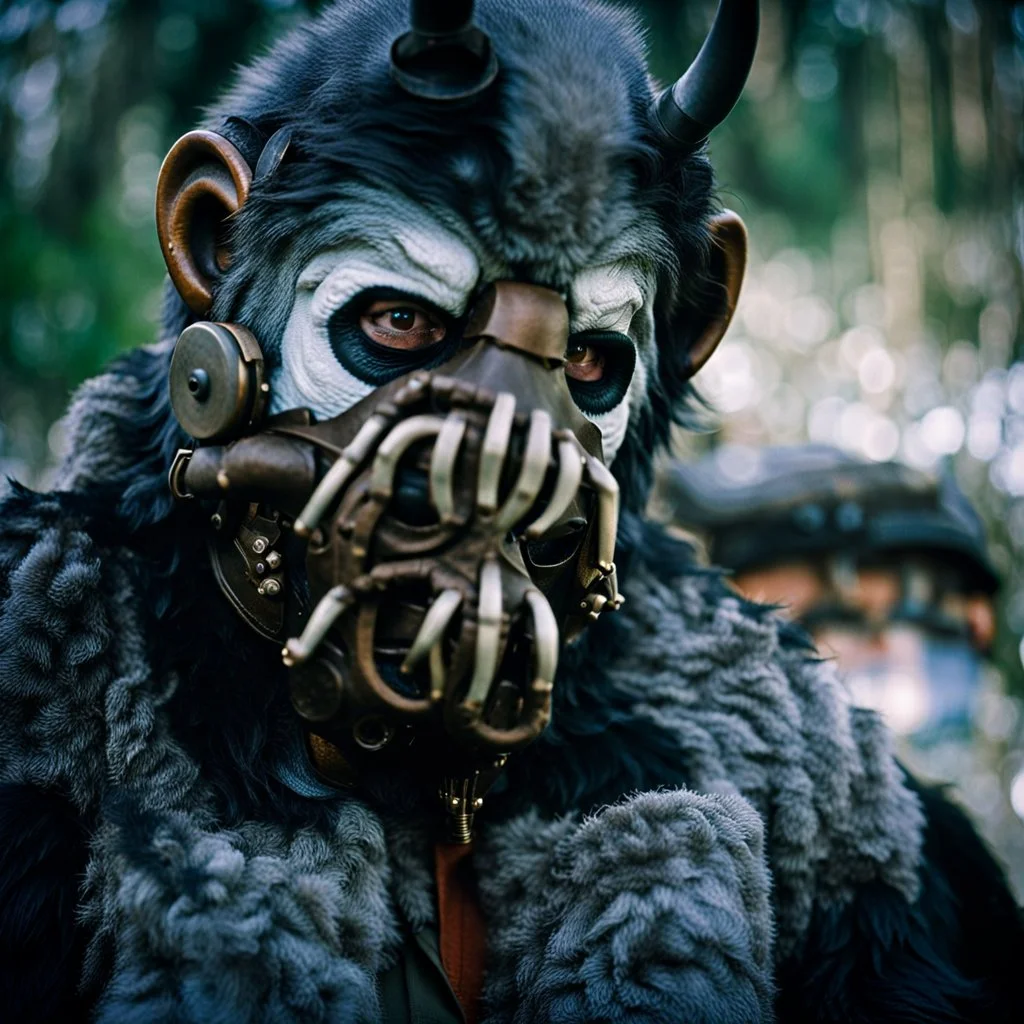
176,477
602,593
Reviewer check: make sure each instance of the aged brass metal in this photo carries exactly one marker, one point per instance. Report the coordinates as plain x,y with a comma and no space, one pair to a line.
427,636
218,390
202,181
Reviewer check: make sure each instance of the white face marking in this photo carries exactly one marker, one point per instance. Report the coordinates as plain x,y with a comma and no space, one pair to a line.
616,297
420,257
606,298
408,250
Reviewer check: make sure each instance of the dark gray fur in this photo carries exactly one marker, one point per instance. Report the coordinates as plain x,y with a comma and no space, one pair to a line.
660,907
545,175
655,909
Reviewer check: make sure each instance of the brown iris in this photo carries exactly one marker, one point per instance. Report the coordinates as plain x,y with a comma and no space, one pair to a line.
401,325
584,362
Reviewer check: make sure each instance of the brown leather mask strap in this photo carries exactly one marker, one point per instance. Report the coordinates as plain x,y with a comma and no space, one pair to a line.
463,935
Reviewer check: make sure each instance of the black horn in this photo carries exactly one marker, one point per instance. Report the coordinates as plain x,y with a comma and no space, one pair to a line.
687,112
444,56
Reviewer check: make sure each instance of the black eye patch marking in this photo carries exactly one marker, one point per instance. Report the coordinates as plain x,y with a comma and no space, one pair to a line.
617,356
378,364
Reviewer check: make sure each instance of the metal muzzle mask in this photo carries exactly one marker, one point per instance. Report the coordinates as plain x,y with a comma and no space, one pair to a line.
421,557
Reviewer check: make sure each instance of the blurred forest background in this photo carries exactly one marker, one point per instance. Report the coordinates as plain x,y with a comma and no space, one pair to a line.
876,156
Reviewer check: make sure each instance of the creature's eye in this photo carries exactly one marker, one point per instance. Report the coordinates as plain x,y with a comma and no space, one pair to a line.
381,334
401,324
583,362
598,368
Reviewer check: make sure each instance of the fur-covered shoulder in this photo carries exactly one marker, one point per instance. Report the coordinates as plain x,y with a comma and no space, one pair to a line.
953,956
185,918
656,908
760,715
689,685
62,614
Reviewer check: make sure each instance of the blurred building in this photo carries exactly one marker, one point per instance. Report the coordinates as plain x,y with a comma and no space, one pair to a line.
887,568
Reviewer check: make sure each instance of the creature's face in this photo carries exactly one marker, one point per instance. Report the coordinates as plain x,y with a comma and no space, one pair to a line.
393,297
456,318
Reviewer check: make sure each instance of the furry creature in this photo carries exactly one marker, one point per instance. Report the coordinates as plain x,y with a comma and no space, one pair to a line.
707,831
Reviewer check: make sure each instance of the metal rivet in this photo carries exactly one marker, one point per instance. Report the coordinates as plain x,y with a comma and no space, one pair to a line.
260,568
260,544
199,384
215,521
372,732
274,559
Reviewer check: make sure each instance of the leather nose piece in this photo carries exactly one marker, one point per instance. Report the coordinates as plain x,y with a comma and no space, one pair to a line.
527,317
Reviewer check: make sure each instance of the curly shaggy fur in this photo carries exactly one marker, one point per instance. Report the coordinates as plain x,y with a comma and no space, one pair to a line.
706,832
654,909
213,892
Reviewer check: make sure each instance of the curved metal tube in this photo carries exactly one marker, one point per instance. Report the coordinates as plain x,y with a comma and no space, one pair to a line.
437,672
394,446
570,475
488,634
545,642
332,605
442,467
339,474
607,488
688,111
431,630
493,451
536,710
531,475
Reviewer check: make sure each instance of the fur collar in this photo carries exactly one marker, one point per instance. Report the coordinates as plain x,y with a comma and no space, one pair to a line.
658,907
703,789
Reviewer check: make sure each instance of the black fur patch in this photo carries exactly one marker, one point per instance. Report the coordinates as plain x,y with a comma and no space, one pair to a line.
953,956
42,856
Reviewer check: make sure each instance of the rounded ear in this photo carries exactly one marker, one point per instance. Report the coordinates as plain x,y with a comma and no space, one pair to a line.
203,181
728,262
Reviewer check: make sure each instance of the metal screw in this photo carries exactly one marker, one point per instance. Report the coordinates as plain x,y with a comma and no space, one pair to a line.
270,587
215,521
260,544
260,568
199,384
274,559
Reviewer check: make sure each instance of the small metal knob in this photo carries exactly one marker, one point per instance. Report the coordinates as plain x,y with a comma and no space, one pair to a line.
199,384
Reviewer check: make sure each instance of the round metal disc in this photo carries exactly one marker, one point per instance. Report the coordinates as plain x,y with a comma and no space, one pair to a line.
211,387
317,689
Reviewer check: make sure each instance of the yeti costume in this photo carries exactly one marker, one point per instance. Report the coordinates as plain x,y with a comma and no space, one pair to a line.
706,832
